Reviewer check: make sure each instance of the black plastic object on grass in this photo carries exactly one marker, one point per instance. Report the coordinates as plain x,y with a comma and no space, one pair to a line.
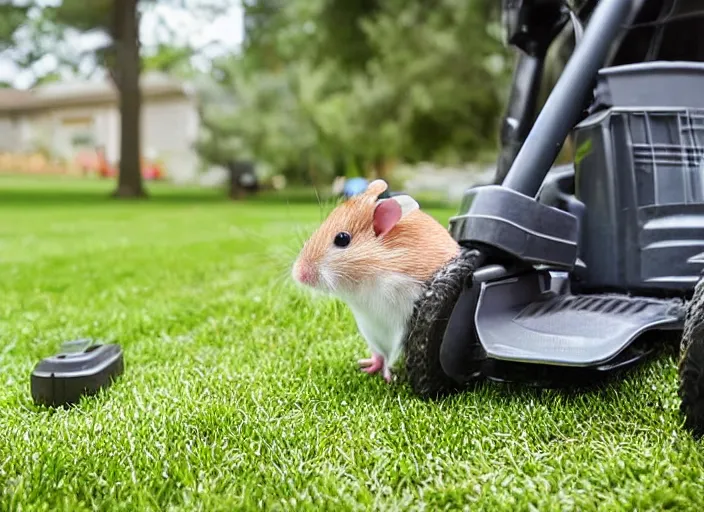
81,368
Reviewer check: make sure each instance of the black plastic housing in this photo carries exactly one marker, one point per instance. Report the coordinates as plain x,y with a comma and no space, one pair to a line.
639,171
517,225
64,378
565,105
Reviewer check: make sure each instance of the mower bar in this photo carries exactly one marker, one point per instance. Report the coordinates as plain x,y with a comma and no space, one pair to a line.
564,106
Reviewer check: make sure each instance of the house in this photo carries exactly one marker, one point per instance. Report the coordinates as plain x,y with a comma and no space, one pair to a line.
68,118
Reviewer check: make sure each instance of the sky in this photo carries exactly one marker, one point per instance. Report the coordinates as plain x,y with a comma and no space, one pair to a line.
223,35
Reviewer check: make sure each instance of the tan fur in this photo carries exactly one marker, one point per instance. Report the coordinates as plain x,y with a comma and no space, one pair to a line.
417,246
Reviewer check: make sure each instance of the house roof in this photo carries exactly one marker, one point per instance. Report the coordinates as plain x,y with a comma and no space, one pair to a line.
11,98
83,92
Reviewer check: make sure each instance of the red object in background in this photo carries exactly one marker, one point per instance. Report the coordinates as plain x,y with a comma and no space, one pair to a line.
96,162
152,171
105,170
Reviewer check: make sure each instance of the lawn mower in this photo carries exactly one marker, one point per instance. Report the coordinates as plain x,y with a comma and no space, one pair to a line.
572,273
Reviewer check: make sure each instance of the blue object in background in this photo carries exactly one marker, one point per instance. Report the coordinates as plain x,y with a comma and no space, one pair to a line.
354,186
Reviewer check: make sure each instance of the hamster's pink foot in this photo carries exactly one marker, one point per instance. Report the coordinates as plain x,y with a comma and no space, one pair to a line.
372,365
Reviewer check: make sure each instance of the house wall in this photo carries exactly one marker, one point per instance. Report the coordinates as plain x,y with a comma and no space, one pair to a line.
169,130
55,129
9,133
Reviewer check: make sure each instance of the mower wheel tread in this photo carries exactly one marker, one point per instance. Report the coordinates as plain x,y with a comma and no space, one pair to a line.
691,366
429,320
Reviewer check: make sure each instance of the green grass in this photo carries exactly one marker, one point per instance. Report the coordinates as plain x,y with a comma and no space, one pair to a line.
241,392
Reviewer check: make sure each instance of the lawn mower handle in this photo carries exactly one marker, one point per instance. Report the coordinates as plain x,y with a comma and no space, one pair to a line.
565,104
520,111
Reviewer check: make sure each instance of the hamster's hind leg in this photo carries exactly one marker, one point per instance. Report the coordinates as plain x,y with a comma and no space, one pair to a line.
387,374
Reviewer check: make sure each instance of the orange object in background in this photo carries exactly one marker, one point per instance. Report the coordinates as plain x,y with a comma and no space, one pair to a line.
89,162
105,170
86,161
152,171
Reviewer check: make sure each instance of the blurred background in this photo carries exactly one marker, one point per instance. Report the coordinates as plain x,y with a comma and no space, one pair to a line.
251,97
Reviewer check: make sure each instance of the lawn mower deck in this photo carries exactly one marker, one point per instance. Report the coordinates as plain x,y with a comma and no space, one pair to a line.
518,320
532,329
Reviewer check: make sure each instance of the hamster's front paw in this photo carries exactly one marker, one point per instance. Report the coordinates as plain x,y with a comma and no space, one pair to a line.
372,365
376,364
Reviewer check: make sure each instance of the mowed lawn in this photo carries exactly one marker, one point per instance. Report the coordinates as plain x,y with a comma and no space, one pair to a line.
242,392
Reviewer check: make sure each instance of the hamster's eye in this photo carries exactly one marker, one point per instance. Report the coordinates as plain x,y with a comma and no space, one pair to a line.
342,239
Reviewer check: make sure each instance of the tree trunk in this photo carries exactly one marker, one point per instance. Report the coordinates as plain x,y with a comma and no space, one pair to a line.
383,167
126,77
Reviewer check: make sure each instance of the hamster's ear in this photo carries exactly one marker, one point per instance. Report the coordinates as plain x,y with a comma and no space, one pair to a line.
376,188
389,212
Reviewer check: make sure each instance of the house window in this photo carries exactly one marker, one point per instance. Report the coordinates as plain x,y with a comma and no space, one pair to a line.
76,133
82,139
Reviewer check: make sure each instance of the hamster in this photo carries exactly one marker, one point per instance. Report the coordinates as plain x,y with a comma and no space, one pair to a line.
375,255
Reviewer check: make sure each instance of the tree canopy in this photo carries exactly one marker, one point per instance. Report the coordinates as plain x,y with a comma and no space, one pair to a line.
12,17
332,86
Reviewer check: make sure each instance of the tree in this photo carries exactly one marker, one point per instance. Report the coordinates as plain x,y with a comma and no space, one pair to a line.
125,67
168,58
291,99
118,21
342,33
12,17
258,116
443,72
362,83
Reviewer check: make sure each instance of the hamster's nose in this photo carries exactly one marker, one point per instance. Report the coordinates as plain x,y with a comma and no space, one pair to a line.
304,274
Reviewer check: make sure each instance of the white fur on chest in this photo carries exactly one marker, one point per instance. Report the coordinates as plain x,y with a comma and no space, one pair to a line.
382,311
